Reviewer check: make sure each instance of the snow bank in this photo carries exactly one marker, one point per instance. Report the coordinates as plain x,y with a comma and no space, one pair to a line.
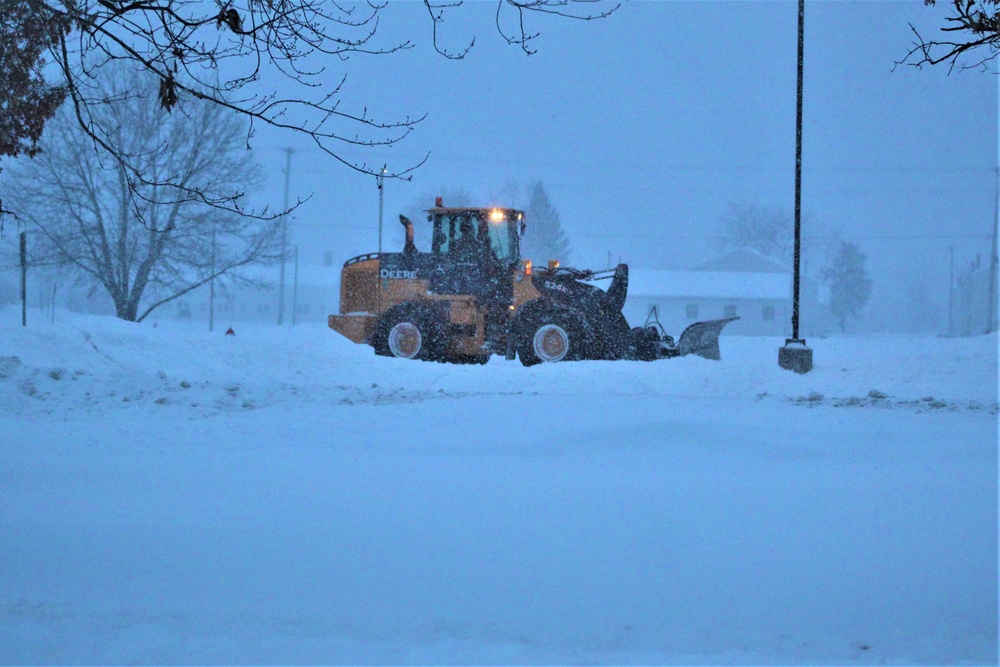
285,496
96,363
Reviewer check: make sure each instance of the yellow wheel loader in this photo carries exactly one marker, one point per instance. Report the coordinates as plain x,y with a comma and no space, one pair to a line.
473,296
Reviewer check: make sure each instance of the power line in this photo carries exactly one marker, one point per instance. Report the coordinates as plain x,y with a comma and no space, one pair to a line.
436,158
900,237
697,237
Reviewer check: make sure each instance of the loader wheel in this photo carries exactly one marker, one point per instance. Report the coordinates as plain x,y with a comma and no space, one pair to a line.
405,340
409,334
550,343
545,339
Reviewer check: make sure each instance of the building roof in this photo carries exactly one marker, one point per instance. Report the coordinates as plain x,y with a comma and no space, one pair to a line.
709,284
744,260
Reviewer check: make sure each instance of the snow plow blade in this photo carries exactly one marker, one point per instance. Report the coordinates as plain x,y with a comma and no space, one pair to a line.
702,338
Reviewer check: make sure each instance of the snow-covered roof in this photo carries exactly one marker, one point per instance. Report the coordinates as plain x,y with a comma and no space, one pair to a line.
709,284
743,260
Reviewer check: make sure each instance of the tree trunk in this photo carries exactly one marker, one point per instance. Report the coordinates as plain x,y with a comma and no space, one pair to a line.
126,309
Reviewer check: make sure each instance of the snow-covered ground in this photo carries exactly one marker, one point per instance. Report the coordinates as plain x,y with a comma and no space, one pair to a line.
168,495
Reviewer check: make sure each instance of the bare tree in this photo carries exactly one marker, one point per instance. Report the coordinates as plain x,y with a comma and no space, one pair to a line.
144,247
222,53
766,229
769,230
973,29
511,194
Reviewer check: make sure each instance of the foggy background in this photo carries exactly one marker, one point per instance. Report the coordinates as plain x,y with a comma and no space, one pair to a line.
645,127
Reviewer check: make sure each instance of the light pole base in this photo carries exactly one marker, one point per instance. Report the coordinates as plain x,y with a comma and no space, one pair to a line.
795,356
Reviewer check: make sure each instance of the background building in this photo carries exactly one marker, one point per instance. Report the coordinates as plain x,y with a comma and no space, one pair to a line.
741,283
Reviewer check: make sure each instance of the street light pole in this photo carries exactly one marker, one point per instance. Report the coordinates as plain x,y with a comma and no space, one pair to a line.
795,355
379,180
284,236
211,286
798,179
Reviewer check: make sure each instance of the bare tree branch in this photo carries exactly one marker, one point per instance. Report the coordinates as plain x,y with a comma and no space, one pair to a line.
572,9
221,53
135,238
979,29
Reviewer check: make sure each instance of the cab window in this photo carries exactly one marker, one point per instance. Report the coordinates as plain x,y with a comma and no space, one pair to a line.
451,230
500,240
463,230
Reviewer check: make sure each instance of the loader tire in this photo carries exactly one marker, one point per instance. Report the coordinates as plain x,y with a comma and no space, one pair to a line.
547,338
410,333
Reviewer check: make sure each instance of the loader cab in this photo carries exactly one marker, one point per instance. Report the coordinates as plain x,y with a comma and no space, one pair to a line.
473,252
477,235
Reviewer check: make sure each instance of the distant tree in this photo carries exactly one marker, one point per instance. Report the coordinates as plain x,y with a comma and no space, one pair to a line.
544,238
770,231
266,61
850,286
134,240
820,244
766,229
976,30
511,195
450,196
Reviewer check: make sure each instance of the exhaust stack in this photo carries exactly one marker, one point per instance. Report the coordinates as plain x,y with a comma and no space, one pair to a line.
409,248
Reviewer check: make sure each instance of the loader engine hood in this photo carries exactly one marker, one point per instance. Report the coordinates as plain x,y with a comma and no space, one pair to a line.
566,285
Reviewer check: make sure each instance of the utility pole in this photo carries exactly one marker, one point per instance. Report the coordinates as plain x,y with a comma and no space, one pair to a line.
991,321
295,288
951,290
23,238
284,236
795,355
379,180
211,286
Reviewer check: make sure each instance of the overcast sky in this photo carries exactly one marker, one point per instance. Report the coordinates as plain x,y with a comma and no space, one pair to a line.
645,126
